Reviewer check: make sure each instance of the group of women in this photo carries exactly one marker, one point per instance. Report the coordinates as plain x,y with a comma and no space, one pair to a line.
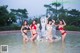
49,26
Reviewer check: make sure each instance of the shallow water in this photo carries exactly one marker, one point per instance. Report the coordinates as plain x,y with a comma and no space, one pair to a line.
16,45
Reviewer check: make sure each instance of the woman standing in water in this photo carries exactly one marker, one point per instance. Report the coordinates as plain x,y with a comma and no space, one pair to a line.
61,28
49,27
33,29
24,30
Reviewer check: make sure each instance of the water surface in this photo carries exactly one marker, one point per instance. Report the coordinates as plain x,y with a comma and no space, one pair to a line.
16,45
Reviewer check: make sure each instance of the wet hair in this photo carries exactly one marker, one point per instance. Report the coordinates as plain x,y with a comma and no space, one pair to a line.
24,22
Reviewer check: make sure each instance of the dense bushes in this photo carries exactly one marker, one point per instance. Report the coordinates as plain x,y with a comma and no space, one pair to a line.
15,27
12,27
72,28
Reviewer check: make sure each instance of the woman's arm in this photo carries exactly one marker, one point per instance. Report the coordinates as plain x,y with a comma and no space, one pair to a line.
47,20
38,26
64,23
53,22
30,29
21,29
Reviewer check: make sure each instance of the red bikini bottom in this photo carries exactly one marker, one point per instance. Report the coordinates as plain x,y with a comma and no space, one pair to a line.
63,33
34,34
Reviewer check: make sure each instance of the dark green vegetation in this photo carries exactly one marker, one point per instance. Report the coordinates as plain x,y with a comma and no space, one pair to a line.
71,17
7,18
57,11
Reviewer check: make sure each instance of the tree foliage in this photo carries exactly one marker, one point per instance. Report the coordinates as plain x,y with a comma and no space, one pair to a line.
7,18
20,12
72,17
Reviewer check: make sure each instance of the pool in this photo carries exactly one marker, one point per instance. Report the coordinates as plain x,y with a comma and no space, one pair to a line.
16,45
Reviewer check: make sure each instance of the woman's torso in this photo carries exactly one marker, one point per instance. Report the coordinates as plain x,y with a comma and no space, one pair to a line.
49,29
34,28
26,27
61,28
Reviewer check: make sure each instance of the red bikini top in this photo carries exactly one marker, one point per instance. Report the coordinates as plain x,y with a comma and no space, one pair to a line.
33,26
61,28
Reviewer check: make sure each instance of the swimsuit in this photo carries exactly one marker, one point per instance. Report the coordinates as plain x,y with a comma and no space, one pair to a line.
61,28
25,33
33,27
25,28
49,27
63,32
34,34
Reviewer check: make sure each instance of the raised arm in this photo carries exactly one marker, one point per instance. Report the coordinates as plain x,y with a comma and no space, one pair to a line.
47,19
64,23
53,22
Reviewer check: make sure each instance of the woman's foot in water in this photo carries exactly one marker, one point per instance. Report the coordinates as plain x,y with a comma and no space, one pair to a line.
32,40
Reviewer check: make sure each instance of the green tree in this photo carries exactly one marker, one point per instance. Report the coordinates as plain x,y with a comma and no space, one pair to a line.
53,8
74,12
20,12
4,15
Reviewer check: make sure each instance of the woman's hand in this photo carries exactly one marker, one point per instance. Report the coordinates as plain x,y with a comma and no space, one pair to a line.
53,21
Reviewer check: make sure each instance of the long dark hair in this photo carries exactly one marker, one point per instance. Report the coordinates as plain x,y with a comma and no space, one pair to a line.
24,22
35,21
49,21
61,21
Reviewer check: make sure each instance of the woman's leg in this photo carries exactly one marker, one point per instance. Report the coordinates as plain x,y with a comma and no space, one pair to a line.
63,37
25,38
50,39
34,36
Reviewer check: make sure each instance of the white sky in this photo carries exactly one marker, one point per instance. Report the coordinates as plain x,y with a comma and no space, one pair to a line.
36,7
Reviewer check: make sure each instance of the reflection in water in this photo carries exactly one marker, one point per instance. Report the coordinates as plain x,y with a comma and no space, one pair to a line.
24,48
50,48
54,47
14,41
33,47
40,47
63,47
29,47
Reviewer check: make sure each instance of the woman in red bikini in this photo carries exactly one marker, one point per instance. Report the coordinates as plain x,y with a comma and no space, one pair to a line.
61,28
33,28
